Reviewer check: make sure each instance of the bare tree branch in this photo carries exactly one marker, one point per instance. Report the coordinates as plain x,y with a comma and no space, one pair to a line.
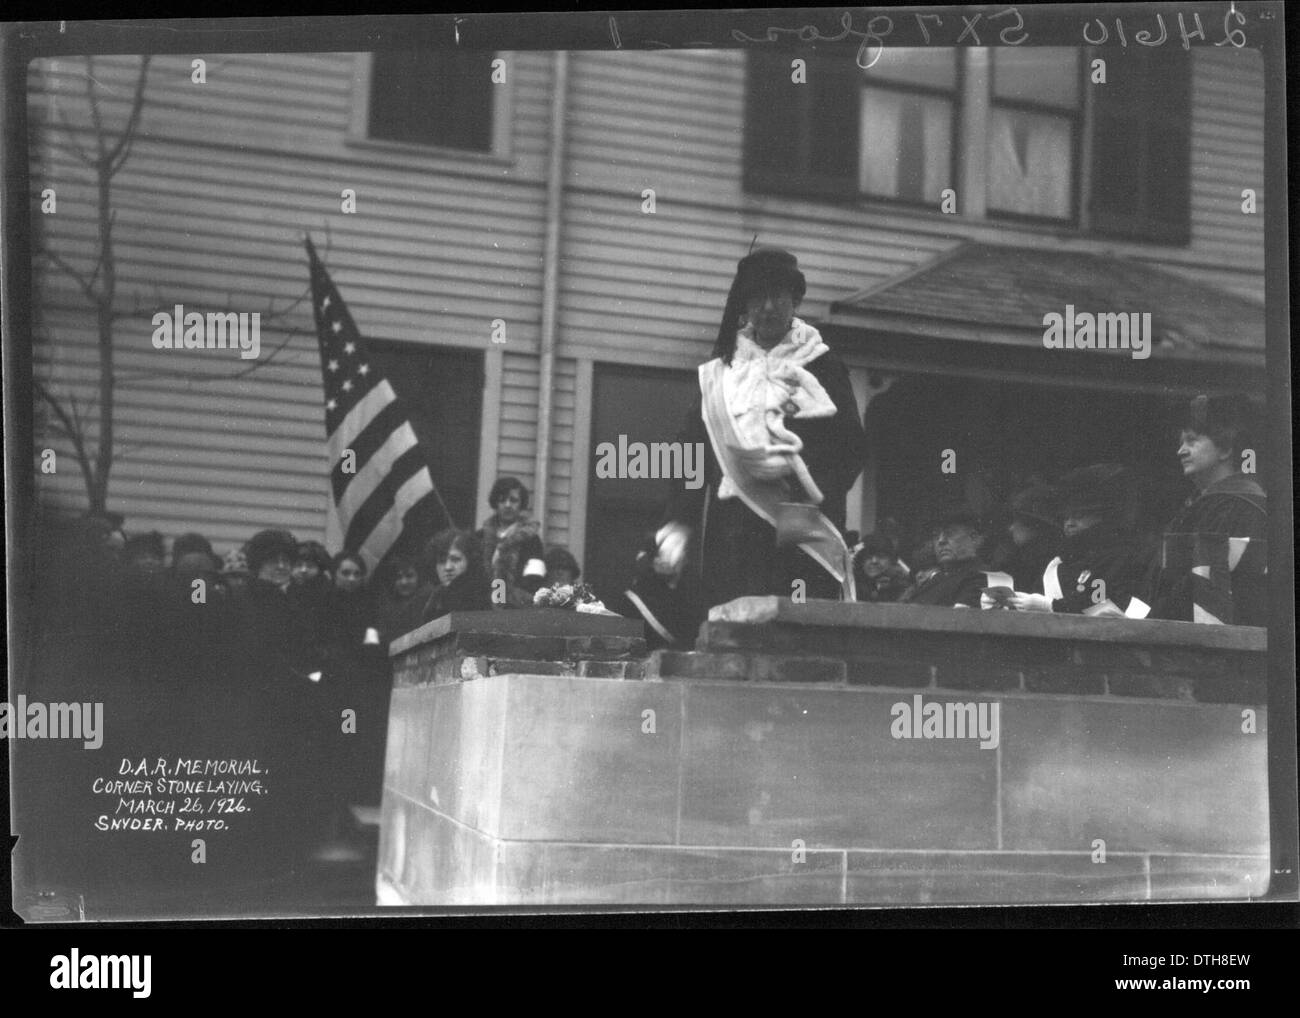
73,432
97,119
71,145
119,153
85,284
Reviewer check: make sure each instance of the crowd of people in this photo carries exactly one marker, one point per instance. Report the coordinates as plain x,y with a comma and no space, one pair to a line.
784,443
262,651
275,651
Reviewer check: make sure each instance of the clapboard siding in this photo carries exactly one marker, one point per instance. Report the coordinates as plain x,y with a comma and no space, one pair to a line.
228,176
221,186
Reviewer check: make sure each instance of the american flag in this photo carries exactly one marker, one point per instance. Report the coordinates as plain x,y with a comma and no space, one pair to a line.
382,497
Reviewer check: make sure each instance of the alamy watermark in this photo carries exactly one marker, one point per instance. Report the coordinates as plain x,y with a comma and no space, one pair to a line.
23,720
217,330
920,720
637,460
1082,330
75,971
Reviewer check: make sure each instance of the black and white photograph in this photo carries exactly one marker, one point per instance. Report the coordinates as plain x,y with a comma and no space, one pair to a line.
759,459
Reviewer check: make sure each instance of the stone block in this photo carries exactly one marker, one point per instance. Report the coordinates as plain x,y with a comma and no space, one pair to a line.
605,648
588,760
764,765
1192,877
1064,679
1149,777
1151,685
866,671
785,668
675,664
976,676
536,873
1245,689
611,669
508,666
960,878
511,645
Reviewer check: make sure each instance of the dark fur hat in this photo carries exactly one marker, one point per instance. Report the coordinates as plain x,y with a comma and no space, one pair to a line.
266,544
1102,488
765,270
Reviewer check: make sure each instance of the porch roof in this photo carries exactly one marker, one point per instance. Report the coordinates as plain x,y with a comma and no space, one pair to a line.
991,293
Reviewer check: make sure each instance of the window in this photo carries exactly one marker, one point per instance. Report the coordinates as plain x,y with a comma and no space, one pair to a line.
802,138
442,389
444,99
1033,132
1141,153
908,112
913,125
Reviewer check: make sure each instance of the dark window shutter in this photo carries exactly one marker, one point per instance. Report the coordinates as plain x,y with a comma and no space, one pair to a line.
802,138
1141,160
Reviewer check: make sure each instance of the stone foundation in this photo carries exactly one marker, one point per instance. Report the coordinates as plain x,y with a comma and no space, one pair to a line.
765,768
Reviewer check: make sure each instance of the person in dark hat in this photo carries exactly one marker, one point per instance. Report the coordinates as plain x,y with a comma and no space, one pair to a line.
1032,536
777,422
957,534
1224,519
876,572
1099,565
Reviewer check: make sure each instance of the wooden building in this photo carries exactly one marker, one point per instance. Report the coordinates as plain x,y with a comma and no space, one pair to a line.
595,204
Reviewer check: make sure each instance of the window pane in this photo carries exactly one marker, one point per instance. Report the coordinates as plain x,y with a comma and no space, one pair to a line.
1041,74
1117,173
906,145
936,68
442,98
1031,163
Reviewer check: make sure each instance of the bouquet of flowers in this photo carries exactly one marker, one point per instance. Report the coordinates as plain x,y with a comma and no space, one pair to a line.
575,597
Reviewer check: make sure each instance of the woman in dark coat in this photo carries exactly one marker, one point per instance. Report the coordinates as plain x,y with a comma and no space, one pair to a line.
453,556
1100,563
356,679
777,422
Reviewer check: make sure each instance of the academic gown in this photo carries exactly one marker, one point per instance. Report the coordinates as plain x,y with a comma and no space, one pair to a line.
1235,506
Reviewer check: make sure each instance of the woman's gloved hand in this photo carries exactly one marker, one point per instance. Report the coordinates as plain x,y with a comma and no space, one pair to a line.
1029,602
672,540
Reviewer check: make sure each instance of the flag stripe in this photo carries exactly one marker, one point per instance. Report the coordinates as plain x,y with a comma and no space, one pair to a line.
376,505
368,479
358,418
386,533
366,444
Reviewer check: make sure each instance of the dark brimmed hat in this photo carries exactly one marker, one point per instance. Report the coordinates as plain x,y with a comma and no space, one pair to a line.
147,544
266,545
951,513
191,544
1102,488
558,557
763,270
314,552
1039,503
876,544
767,269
